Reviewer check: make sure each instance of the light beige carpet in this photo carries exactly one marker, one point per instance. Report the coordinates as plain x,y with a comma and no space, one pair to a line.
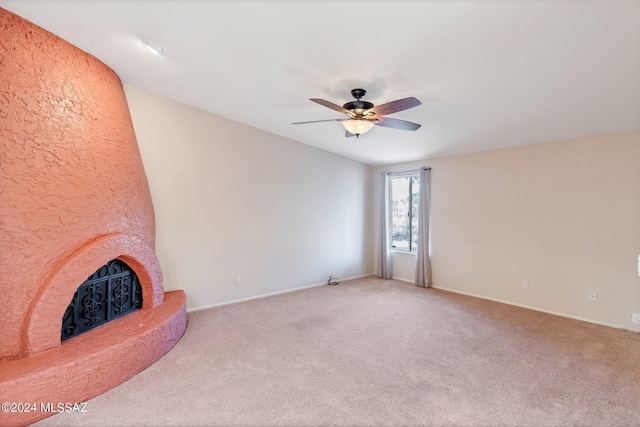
375,352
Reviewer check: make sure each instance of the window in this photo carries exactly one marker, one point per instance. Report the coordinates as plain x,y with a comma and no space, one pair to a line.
404,213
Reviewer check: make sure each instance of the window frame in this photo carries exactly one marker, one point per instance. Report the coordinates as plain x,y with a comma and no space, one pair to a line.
392,176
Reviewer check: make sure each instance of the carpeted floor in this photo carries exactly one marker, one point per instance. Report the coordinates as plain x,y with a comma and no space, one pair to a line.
372,352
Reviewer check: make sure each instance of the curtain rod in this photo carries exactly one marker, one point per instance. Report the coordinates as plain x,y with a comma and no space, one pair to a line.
411,171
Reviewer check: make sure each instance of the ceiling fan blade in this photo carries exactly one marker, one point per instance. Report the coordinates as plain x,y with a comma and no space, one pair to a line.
319,121
394,106
331,105
396,124
348,134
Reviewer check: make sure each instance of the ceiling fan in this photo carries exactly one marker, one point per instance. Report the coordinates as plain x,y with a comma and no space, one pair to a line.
362,115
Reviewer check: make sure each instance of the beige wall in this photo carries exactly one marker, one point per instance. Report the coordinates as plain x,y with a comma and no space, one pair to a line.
231,199
565,216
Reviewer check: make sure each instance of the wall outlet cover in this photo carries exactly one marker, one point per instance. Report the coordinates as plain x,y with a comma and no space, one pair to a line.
635,318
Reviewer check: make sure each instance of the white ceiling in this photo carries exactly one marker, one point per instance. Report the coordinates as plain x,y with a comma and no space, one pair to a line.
490,74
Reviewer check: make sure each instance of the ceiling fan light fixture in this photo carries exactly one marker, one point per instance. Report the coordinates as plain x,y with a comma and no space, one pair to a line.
357,126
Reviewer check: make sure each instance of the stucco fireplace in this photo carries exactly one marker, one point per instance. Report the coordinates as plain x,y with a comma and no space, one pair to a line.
74,198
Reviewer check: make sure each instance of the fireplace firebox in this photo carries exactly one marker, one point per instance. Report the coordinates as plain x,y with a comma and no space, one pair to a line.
111,292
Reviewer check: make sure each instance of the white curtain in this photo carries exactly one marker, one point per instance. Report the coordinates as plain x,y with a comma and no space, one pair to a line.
385,266
423,262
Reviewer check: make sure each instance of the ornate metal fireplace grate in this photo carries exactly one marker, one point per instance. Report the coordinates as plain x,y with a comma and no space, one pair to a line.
111,292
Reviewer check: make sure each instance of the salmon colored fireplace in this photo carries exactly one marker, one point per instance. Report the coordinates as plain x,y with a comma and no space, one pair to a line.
73,197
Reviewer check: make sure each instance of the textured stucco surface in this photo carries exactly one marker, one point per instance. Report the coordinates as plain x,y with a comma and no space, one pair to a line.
40,332
70,169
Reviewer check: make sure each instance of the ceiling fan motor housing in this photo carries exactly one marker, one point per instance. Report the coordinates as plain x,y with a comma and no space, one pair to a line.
358,105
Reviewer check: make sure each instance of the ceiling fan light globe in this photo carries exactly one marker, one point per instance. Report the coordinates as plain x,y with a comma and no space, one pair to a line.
357,126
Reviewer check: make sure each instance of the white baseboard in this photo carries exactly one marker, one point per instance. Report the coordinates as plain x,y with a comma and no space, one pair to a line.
403,280
218,304
528,307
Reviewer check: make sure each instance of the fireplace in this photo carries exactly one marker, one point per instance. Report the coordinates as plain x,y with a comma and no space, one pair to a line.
75,205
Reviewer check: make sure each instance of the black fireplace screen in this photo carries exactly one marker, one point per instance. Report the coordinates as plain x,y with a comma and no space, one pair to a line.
111,292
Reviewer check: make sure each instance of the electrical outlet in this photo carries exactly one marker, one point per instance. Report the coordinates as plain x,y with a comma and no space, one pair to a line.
238,279
635,318
525,284
593,296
